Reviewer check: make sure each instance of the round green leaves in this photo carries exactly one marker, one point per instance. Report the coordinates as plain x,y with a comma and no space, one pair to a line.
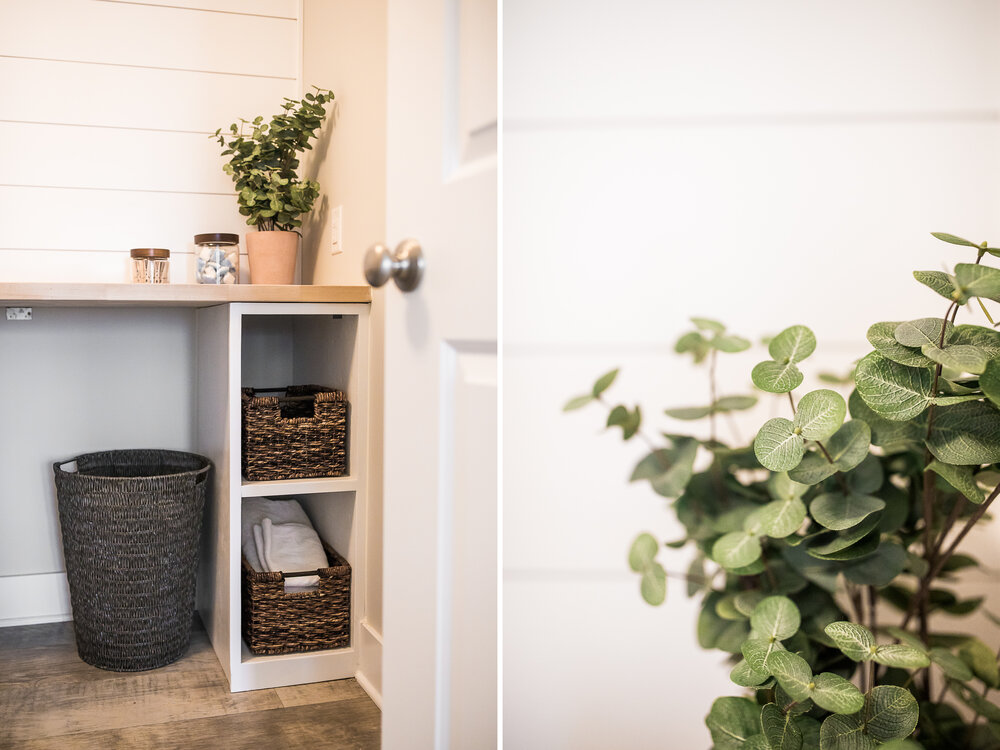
893,391
776,617
826,690
780,375
820,414
778,446
653,584
837,511
736,549
855,641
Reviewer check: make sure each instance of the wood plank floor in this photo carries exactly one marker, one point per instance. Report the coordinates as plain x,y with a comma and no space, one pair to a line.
50,699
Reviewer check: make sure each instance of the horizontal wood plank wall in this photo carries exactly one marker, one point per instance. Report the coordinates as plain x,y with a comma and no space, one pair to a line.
763,162
106,108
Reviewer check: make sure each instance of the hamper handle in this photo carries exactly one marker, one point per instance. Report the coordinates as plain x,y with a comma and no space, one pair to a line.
285,398
299,573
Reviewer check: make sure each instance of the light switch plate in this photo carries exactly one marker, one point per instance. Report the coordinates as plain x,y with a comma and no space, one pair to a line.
336,230
18,313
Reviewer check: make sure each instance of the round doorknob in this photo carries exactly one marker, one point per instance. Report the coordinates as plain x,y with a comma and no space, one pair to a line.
405,265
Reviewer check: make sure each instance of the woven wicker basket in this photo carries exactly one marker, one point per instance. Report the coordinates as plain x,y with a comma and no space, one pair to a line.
277,622
130,522
302,434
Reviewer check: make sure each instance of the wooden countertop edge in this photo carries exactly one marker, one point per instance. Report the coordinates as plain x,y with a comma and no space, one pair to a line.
184,295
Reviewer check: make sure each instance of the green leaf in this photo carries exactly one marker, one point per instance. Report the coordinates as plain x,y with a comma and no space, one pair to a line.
689,413
777,446
629,421
966,434
836,511
726,608
707,324
917,333
793,344
989,381
976,702
982,660
776,617
668,469
866,477
847,538
978,281
813,469
893,437
779,729
775,377
780,518
693,342
848,548
891,713
757,742
856,641
959,477
729,343
849,445
746,601
732,721
892,390
793,673
951,665
736,549
746,676
642,552
577,402
653,584
945,237
880,335
981,337
959,357
901,656
942,283
880,568
836,694
758,650
604,382
820,414
844,733
735,403
782,487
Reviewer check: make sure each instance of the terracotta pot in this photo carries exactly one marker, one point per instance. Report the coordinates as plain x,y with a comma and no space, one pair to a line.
272,257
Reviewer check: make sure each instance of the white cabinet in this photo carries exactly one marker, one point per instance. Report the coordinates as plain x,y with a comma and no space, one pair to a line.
274,345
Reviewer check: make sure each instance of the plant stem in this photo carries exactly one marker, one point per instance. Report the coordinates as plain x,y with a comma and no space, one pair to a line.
839,475
791,401
711,385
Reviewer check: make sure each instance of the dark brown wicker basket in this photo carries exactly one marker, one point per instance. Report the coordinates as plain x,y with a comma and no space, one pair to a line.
130,524
302,434
278,622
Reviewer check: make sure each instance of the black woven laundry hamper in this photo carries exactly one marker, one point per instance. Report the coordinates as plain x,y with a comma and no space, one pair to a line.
130,522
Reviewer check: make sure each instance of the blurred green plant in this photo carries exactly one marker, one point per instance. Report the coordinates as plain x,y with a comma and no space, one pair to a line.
840,508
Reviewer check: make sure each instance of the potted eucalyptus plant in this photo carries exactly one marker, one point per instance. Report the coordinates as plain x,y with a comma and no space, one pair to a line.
264,166
826,551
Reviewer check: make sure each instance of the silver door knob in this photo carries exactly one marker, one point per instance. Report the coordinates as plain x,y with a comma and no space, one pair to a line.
405,265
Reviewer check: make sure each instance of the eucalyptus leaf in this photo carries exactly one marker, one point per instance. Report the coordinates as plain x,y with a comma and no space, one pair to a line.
836,694
778,446
845,539
849,445
982,660
951,665
989,381
793,674
793,344
732,721
775,377
893,391
856,641
707,324
880,335
942,283
782,487
735,403
980,337
653,584
736,549
945,237
923,331
813,469
729,343
776,617
966,434
844,733
837,511
780,730
901,656
604,382
746,601
746,676
891,713
642,552
820,414
757,650
878,568
959,477
780,518
978,281
689,413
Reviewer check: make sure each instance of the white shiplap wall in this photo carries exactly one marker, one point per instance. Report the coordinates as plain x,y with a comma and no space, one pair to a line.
105,111
764,162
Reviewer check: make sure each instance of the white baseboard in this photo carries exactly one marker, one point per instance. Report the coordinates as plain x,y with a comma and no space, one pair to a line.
33,599
369,674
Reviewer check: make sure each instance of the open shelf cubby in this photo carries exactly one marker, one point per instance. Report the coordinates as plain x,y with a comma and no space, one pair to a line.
270,346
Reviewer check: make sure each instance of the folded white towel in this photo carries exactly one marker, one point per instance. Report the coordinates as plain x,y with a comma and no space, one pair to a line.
293,547
255,510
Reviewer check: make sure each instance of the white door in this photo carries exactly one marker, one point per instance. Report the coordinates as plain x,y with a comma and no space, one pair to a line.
439,680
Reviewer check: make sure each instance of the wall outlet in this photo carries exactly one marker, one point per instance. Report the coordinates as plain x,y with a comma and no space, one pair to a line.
336,230
18,313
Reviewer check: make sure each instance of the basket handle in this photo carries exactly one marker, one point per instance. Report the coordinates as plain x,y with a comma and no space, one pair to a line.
299,573
284,398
